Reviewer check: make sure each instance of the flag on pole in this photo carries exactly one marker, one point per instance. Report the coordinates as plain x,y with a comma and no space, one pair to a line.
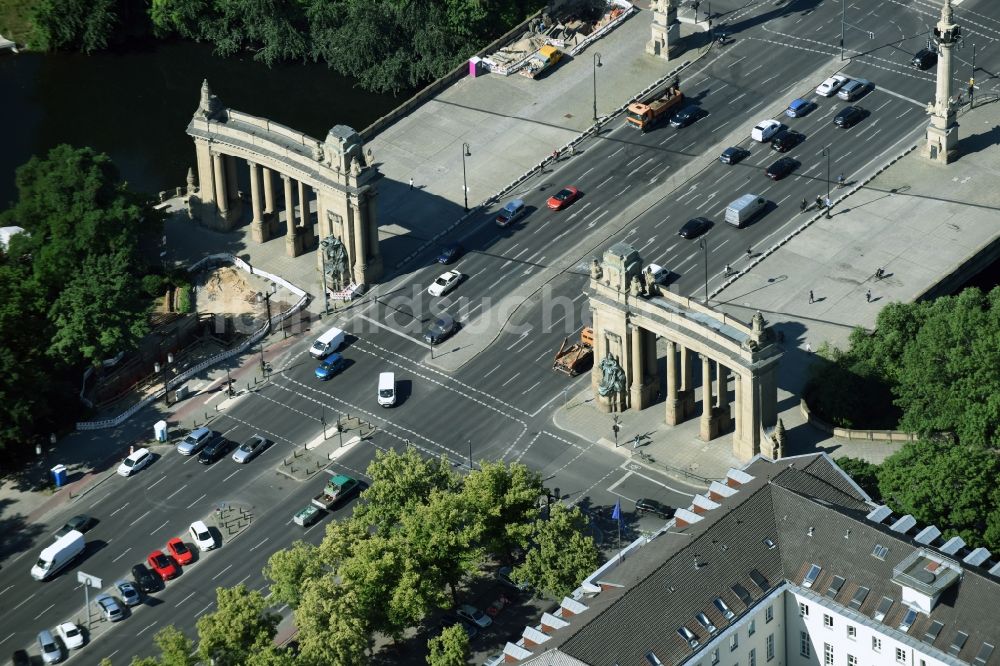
617,513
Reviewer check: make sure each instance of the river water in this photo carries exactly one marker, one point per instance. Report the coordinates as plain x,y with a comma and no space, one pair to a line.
134,105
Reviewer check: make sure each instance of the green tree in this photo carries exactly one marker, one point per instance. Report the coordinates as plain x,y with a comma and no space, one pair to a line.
451,648
948,484
241,625
864,473
291,569
73,24
399,482
503,500
331,628
175,650
100,311
563,555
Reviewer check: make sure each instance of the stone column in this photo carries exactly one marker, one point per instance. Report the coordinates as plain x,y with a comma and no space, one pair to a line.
257,229
221,196
686,397
293,242
674,411
722,414
231,181
705,426
360,249
637,369
303,207
270,217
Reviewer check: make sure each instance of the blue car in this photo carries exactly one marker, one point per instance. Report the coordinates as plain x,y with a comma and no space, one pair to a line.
333,364
450,253
798,108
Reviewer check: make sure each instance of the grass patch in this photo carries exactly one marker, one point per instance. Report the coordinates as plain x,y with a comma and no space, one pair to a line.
15,20
184,300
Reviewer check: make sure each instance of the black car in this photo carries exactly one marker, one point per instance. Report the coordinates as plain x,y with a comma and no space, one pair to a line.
645,505
20,658
924,59
215,450
785,140
733,154
781,168
849,116
694,228
80,523
685,116
144,578
450,253
441,329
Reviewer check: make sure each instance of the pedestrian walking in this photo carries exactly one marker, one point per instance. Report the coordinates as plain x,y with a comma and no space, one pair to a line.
868,295
840,180
411,183
729,269
811,299
749,252
803,205
819,201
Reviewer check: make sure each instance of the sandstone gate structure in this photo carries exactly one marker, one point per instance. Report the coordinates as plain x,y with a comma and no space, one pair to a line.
630,311
329,192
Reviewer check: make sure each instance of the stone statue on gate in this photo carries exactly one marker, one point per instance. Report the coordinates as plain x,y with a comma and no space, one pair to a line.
613,377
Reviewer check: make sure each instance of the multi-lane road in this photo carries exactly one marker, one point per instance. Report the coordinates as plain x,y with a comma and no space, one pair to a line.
498,404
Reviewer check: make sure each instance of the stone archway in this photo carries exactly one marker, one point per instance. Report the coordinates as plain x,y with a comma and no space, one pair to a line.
630,311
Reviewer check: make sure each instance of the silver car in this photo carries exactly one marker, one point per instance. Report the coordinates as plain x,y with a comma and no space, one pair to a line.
51,652
130,595
250,449
110,608
194,442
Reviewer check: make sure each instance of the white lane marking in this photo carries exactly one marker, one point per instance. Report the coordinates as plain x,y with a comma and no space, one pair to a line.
516,375
492,371
604,182
204,609
222,572
146,628
522,337
389,328
525,391
119,509
617,483
164,524
176,491
6,639
150,486
260,543
195,502
122,554
237,471
29,598
5,589
99,500
139,518
45,611
185,599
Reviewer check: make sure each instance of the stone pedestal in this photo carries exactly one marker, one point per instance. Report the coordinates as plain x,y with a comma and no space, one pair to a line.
666,30
294,242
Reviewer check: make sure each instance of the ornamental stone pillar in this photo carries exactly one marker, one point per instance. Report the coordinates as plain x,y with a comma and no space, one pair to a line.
270,216
221,196
257,229
705,426
293,240
674,411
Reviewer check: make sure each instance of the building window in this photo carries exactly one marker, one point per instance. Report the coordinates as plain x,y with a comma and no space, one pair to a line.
876,644
769,614
715,656
753,656
734,642
804,648
900,655
827,654
770,647
827,621
852,631
752,628
852,660
803,610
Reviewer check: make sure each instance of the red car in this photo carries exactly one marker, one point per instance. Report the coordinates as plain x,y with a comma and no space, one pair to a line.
563,198
179,551
162,565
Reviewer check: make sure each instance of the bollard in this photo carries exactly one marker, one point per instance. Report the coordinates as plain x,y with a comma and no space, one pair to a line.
206,417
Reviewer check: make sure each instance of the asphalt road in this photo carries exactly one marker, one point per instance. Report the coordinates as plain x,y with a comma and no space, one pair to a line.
498,404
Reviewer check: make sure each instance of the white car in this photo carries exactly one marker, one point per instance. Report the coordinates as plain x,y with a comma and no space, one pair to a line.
764,130
660,274
445,283
201,536
135,461
831,85
71,635
474,615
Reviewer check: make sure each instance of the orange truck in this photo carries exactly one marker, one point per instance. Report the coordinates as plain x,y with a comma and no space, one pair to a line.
576,358
646,114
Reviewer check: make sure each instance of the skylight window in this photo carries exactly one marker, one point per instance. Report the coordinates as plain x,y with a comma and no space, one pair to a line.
883,609
859,598
835,585
880,552
908,619
705,622
724,609
958,643
813,574
687,635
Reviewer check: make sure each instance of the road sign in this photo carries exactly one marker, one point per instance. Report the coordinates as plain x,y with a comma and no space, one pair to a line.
87,579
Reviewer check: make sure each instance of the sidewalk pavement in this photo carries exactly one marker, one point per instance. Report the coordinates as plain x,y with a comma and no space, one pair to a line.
916,220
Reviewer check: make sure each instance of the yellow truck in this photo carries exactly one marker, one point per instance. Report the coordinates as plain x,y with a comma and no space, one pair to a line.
546,57
647,114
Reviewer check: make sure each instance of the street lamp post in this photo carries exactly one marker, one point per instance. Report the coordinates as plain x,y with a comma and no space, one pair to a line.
465,184
843,22
703,244
616,425
972,79
163,368
470,455
826,153
597,63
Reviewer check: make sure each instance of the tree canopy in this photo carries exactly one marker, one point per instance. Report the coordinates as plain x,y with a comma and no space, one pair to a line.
71,285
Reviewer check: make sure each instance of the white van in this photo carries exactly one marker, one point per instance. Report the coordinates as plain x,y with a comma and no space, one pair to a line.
327,343
58,555
386,389
744,209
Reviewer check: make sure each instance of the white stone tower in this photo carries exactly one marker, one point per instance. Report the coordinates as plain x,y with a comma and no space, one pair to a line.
942,132
666,29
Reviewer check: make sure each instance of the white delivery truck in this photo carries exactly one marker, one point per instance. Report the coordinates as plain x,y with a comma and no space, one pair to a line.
327,343
386,389
58,555
745,209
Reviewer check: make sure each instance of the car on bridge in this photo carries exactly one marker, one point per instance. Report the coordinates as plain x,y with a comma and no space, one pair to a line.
81,523
135,461
254,446
201,536
165,567
924,59
764,130
694,228
71,635
785,140
685,116
854,89
442,328
563,198
733,154
145,579
330,366
219,447
110,608
799,107
450,253
194,442
849,117
445,283
781,168
180,552
129,593
830,87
